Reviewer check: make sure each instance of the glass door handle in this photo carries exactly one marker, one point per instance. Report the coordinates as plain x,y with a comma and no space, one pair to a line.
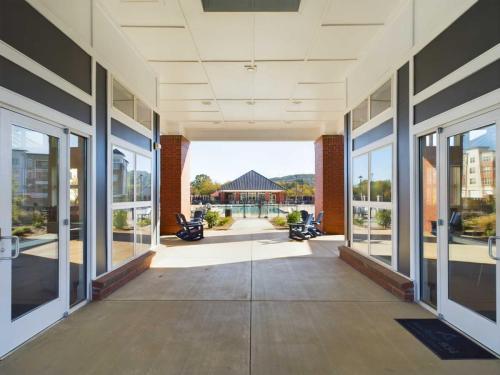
490,247
16,247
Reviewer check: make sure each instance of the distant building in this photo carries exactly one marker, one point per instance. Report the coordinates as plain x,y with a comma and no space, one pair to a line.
251,187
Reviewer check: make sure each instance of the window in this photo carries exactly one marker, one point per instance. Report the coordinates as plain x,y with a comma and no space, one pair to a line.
374,105
133,107
123,100
381,175
472,159
472,181
360,178
372,203
360,114
380,100
472,170
132,228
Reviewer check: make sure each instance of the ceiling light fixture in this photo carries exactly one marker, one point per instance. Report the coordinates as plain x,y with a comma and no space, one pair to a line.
206,102
251,67
297,102
251,102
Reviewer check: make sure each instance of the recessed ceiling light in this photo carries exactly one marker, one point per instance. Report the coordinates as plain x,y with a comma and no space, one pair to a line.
206,102
251,67
216,122
251,102
251,122
297,102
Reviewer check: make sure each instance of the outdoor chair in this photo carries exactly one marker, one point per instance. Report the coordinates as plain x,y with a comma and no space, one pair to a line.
317,224
198,216
190,231
301,231
304,215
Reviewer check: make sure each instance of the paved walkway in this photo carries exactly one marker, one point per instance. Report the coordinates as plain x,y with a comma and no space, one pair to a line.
243,301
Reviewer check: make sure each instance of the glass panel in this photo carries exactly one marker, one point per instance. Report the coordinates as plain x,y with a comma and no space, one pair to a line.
428,219
143,229
472,219
123,100
144,114
381,234
360,228
381,174
123,235
360,114
35,219
123,175
360,178
78,219
143,179
380,100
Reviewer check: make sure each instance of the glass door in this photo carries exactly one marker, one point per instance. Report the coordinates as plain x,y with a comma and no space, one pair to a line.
33,250
468,226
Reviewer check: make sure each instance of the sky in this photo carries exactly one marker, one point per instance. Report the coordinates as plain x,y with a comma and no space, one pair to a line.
225,161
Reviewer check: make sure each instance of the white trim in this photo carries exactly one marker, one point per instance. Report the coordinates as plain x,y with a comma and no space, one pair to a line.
374,145
39,70
131,123
374,122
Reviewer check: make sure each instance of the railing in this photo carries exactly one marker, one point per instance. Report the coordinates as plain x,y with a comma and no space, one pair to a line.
255,210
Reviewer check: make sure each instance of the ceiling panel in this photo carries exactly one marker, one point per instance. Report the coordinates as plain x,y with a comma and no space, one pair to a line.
162,43
220,36
319,91
325,71
276,80
269,110
294,35
183,91
316,105
190,116
236,110
188,105
342,42
360,11
230,80
312,116
179,72
157,13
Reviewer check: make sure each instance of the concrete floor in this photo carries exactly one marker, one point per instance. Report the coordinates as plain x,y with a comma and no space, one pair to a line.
243,301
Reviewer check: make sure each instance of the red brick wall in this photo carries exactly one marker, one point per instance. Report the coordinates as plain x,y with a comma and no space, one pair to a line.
329,195
175,181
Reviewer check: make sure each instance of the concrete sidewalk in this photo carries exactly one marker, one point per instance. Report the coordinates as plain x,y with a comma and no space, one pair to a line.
242,301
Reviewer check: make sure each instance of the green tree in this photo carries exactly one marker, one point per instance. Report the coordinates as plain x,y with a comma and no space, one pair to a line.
203,185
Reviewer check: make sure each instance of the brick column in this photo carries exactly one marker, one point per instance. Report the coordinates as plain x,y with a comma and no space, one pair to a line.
175,181
329,195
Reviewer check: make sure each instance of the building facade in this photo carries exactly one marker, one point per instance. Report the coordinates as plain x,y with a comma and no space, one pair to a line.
251,188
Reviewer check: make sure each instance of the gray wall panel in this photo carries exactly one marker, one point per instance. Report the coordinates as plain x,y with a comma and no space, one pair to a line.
25,29
101,170
122,131
381,131
403,168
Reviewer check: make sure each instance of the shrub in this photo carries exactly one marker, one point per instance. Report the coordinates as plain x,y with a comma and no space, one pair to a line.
223,221
279,221
294,217
212,218
21,230
383,218
120,219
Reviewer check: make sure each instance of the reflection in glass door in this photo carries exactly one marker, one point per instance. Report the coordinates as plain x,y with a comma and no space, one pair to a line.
472,219
428,218
35,219
33,292
468,209
78,219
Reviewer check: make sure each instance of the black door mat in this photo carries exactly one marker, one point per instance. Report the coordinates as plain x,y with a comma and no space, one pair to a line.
443,340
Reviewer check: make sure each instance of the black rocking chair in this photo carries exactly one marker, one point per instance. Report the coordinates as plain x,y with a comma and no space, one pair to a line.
190,231
302,231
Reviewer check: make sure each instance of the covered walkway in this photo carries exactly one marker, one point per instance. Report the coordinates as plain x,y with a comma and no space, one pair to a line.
243,301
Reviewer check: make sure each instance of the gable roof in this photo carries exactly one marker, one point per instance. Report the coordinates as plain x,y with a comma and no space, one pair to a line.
251,181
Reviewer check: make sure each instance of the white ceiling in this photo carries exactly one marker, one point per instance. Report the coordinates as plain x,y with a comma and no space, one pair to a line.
301,58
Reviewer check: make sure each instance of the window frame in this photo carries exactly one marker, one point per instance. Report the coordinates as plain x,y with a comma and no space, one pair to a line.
134,204
388,141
